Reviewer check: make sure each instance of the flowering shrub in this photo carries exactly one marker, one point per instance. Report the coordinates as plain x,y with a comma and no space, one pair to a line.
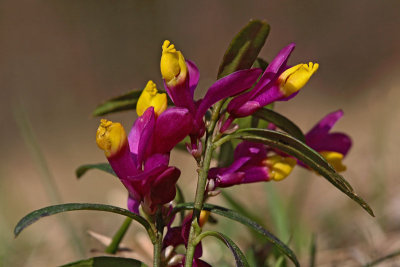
246,87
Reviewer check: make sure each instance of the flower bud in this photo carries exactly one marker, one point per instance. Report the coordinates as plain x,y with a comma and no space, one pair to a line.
151,98
204,214
173,65
279,167
111,137
335,159
294,78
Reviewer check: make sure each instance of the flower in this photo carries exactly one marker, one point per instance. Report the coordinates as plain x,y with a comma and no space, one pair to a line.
179,235
151,98
279,82
253,162
332,146
141,159
182,76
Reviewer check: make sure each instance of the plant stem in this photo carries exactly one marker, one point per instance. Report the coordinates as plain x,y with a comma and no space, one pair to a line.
159,226
113,247
157,251
204,166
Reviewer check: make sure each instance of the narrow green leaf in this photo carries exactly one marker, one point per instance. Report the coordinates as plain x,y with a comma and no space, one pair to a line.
301,151
225,156
180,198
240,259
244,48
126,101
81,170
233,215
112,248
51,210
281,122
106,262
260,63
239,207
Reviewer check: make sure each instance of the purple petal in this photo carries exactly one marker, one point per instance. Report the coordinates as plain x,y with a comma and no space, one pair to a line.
140,137
337,142
320,139
325,124
274,69
256,174
155,161
173,237
163,189
228,86
194,76
123,163
172,126
256,151
181,95
133,204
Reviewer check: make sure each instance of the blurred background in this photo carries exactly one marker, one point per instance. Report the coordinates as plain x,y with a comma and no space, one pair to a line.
59,59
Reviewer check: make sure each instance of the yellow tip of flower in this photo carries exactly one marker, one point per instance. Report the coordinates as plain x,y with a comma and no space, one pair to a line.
173,65
335,159
204,214
280,167
111,137
151,98
293,79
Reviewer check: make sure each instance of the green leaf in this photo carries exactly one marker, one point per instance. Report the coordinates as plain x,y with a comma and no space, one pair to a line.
126,101
281,122
180,198
301,151
51,210
106,262
244,48
239,207
225,156
260,63
99,166
233,215
237,253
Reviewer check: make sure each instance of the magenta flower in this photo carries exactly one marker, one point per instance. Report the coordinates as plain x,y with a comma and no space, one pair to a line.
180,236
182,76
332,146
279,82
253,162
141,159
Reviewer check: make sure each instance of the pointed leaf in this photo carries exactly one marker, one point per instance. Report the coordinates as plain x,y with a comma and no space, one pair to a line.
240,259
244,48
281,122
99,166
225,156
106,262
301,151
260,63
51,210
126,101
233,215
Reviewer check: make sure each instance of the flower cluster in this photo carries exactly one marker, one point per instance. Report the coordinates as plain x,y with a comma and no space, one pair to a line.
141,158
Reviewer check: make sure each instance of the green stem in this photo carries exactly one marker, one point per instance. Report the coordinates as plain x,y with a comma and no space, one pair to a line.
159,227
157,251
113,247
204,166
